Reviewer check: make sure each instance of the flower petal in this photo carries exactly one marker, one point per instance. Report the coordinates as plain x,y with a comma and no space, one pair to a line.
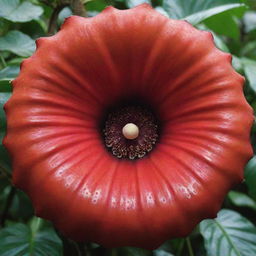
55,137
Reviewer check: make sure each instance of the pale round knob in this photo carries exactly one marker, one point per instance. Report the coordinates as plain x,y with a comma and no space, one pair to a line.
130,131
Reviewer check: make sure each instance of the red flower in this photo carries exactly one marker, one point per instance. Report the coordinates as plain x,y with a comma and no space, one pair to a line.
188,142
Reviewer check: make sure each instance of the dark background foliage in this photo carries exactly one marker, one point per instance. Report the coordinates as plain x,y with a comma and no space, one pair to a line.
233,24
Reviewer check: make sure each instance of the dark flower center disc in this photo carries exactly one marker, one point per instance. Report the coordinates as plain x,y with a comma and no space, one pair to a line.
118,144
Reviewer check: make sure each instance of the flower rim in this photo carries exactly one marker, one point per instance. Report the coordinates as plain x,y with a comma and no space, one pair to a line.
136,203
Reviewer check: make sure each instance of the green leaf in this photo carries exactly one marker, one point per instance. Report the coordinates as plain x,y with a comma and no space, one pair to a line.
17,43
231,28
4,26
230,19
241,200
250,72
250,177
20,239
220,43
15,61
133,3
6,75
200,16
21,207
132,251
5,162
162,11
5,190
161,253
34,28
96,5
9,73
195,11
65,12
250,21
249,49
230,234
17,11
236,63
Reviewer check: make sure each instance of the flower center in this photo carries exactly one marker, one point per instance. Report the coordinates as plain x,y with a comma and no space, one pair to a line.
130,132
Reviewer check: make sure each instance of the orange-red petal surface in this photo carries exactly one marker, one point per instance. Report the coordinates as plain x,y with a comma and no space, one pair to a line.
54,136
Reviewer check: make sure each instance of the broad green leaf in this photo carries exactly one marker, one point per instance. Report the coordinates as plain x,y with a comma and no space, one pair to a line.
19,11
250,71
195,11
203,15
162,11
9,73
236,63
133,3
27,240
5,86
249,21
66,12
250,3
5,163
230,234
96,5
17,43
241,200
34,28
249,49
230,19
220,43
182,8
250,177
231,28
162,253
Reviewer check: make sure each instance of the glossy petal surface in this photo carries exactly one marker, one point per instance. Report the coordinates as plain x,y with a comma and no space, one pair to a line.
59,157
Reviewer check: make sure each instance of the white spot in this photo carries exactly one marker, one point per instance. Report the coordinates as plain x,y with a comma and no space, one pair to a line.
149,197
96,196
61,170
69,180
189,190
85,192
162,199
113,201
130,203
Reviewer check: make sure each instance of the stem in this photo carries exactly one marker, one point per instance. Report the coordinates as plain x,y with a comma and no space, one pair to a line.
77,7
190,250
52,27
7,205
